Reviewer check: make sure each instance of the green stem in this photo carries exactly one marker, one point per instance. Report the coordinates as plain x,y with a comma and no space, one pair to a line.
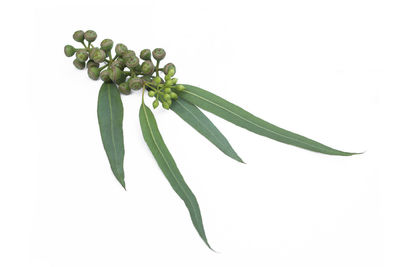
110,57
83,42
102,68
157,65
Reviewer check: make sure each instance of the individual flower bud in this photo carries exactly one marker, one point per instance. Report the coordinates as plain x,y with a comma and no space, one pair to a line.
171,72
135,83
104,76
132,62
90,36
79,65
167,77
180,87
91,63
174,95
123,79
167,90
157,80
169,67
145,54
129,54
155,104
119,63
69,50
148,67
167,97
99,56
116,74
92,51
82,55
169,101
165,105
152,93
94,73
120,49
159,54
106,44
79,36
124,88
174,80
169,83
137,69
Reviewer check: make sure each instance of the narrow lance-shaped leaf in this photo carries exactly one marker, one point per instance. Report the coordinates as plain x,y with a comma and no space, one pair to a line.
195,118
110,114
168,166
232,113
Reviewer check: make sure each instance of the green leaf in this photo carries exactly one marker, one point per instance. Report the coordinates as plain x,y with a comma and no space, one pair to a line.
194,117
168,166
232,113
110,113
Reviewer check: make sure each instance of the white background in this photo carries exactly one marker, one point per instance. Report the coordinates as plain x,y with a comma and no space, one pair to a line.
326,69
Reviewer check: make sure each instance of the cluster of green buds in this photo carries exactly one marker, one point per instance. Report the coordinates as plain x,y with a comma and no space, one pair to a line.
125,68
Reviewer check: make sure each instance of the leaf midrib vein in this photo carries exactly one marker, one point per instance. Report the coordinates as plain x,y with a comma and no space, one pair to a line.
269,130
206,127
170,169
112,127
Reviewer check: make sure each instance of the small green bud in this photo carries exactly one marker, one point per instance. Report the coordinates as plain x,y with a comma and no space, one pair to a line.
92,51
167,90
90,36
165,105
82,55
69,50
119,63
174,95
155,104
99,56
116,74
124,88
123,79
128,54
132,62
145,54
171,72
106,44
157,80
120,49
169,101
174,80
79,65
148,67
152,93
91,63
94,73
79,36
180,87
169,67
167,97
159,54
169,83
135,83
167,77
104,76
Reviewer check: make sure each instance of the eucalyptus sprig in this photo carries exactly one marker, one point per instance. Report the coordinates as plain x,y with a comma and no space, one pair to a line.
125,72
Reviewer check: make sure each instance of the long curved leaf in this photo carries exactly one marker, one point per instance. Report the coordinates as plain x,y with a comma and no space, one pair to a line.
155,142
110,113
232,113
195,118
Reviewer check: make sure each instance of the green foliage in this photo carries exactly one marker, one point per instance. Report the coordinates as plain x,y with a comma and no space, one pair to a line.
110,113
168,166
125,73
